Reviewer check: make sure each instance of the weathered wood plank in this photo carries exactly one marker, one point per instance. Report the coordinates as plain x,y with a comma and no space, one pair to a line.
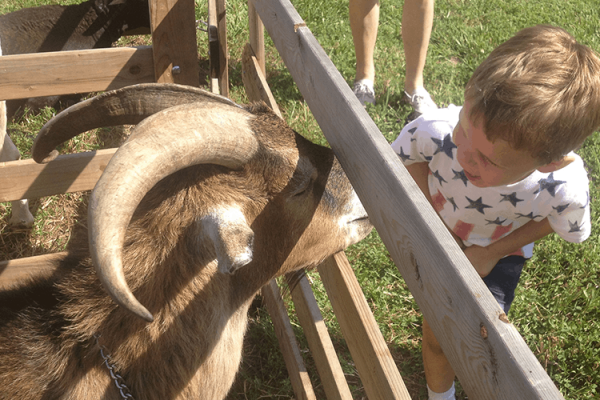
88,71
173,27
223,48
449,292
257,36
370,353
213,46
287,342
13,272
254,81
25,179
321,348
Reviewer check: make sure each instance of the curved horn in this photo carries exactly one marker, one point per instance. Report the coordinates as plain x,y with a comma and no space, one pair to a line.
126,106
162,144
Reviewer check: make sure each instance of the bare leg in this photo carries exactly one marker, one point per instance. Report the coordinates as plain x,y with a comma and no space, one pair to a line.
417,21
9,152
438,371
364,21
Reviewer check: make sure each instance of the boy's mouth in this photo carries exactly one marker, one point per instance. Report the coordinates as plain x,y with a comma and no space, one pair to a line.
472,178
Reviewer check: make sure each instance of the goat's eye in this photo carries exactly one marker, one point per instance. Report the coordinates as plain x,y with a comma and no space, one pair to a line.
304,189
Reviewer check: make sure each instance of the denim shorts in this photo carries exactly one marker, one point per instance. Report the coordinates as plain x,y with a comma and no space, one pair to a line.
503,280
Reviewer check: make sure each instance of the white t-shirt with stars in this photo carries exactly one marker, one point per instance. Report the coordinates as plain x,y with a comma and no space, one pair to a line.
480,216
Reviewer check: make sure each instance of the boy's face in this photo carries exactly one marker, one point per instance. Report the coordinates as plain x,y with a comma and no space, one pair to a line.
485,163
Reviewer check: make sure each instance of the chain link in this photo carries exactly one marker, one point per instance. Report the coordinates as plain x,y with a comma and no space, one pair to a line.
118,379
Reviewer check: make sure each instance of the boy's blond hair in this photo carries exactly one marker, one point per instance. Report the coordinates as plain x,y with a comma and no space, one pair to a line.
539,91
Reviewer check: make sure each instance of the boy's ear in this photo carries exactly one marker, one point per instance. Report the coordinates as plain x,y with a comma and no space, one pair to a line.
556,165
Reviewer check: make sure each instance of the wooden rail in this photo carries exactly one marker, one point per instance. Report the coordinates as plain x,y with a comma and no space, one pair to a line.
26,179
90,71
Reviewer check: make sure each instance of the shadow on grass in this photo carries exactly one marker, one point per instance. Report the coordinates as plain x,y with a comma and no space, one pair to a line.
263,373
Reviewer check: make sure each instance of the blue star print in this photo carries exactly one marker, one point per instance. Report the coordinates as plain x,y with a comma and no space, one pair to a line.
530,215
549,184
445,146
403,156
511,197
559,209
477,205
460,175
575,227
427,158
496,221
439,177
412,130
451,201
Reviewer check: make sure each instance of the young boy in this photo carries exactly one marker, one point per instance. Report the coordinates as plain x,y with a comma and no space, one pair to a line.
500,171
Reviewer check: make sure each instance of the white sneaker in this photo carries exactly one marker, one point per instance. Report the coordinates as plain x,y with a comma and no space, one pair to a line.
364,92
420,100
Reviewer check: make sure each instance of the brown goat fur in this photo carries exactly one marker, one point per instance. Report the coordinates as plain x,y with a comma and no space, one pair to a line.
293,195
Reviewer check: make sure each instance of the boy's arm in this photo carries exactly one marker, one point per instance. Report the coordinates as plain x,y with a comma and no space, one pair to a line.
420,173
485,258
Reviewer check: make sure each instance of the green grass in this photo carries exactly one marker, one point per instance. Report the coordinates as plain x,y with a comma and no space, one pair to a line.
557,302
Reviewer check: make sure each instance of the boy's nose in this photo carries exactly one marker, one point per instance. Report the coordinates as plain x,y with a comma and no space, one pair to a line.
465,158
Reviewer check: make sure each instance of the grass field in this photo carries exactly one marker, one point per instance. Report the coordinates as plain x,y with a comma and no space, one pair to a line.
558,301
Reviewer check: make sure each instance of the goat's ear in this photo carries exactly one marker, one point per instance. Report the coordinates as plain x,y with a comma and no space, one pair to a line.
232,237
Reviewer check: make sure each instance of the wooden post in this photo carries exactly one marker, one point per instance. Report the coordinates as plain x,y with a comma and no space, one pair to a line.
370,353
223,48
254,81
287,342
213,46
257,36
173,28
321,348
217,47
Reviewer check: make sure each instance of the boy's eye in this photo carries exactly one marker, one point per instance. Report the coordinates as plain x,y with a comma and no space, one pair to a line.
488,161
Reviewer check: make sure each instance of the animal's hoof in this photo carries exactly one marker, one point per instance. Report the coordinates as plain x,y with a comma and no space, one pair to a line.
21,216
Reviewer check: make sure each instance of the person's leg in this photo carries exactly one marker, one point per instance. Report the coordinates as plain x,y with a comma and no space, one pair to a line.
364,21
417,21
438,371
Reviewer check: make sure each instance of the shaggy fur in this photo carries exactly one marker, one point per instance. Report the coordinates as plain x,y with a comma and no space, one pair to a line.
294,197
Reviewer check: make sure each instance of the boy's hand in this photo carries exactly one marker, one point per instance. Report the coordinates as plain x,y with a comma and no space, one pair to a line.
481,259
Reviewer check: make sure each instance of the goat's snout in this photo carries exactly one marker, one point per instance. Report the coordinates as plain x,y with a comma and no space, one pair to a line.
231,236
355,220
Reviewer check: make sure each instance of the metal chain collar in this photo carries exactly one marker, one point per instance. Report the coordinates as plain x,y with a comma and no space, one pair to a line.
118,379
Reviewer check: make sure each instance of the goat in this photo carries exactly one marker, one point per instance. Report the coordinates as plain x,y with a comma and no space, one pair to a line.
203,204
91,24
88,25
